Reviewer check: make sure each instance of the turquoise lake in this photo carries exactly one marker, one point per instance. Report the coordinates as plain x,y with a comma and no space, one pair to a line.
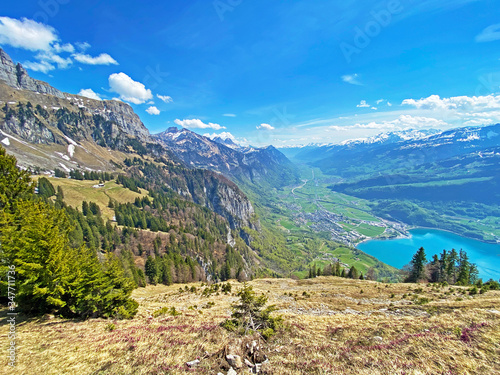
398,252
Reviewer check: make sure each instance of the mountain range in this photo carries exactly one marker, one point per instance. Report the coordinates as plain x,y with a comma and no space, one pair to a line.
397,150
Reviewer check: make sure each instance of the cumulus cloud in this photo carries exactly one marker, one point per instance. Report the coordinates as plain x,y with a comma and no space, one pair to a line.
102,59
89,93
128,89
490,34
197,124
41,66
52,58
153,111
353,79
68,47
165,98
83,46
265,127
469,103
26,34
363,104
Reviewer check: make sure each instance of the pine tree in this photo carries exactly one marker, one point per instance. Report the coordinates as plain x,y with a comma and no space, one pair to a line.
353,273
45,188
463,277
14,183
152,270
443,266
85,208
417,271
451,270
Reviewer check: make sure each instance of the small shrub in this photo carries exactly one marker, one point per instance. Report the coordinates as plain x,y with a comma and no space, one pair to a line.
422,301
249,315
110,327
166,310
267,333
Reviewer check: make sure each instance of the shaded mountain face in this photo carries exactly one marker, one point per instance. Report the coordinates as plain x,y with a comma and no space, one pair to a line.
259,166
45,129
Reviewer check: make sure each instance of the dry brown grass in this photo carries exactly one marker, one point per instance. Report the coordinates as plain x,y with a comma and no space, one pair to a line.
331,329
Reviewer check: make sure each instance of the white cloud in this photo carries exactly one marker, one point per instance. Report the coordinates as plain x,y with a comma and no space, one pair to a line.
52,58
102,59
363,104
26,34
153,111
374,108
89,93
42,66
353,79
380,101
490,34
128,89
389,104
197,124
165,98
83,46
229,115
469,103
68,47
265,127
223,135
401,123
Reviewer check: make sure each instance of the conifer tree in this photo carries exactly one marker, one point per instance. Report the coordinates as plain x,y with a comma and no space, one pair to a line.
417,271
353,273
463,277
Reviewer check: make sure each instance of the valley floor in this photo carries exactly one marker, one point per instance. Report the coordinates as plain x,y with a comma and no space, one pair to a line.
332,326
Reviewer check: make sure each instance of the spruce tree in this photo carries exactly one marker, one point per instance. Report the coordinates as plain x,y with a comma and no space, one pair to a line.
417,263
463,277
353,273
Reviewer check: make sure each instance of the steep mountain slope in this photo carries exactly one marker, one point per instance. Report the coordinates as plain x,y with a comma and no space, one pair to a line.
45,129
260,166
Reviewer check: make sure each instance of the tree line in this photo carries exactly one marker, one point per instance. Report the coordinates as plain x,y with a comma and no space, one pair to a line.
451,267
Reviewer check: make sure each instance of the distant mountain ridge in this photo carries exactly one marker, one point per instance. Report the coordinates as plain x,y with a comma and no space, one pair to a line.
398,149
246,164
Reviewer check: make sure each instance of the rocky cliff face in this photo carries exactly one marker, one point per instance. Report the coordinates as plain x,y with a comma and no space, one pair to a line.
122,118
16,76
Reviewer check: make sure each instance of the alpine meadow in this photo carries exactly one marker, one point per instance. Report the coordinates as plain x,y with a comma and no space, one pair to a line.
232,187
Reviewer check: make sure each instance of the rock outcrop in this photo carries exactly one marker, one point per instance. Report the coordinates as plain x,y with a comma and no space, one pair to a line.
16,77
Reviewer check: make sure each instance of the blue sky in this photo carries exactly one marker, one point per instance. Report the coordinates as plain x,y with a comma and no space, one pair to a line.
281,73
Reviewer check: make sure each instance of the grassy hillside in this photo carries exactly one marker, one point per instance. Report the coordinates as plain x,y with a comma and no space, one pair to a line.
76,191
332,325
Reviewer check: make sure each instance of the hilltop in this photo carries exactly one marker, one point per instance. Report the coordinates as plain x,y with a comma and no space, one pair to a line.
332,325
